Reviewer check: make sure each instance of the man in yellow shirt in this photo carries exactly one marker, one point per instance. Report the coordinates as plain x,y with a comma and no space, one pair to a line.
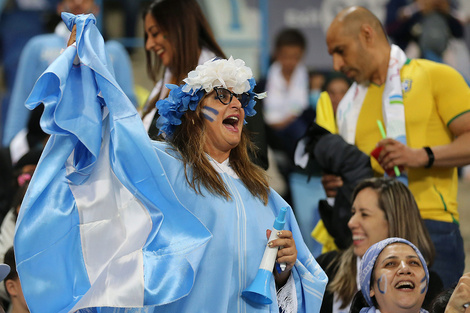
424,106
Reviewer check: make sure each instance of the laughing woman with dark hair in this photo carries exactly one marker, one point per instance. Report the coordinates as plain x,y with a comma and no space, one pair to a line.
177,39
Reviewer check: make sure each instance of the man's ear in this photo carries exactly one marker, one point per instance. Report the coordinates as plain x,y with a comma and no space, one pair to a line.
367,33
11,287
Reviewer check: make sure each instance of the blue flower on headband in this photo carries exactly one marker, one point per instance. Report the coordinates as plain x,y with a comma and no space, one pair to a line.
250,108
172,108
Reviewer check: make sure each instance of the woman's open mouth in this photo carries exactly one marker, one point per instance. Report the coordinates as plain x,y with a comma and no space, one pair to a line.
405,285
231,123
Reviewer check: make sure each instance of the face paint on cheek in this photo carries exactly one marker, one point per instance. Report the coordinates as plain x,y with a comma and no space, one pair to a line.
382,284
209,113
423,285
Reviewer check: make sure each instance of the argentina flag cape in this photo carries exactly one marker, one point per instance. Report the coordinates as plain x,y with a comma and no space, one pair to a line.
109,223
90,232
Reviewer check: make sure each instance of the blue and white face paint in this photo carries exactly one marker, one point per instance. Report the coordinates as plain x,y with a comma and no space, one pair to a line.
382,284
424,285
209,113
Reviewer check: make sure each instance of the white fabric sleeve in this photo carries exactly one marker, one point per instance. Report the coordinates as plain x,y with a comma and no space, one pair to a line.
287,297
300,156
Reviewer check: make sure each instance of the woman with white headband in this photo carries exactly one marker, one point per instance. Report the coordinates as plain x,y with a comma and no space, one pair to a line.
171,226
394,278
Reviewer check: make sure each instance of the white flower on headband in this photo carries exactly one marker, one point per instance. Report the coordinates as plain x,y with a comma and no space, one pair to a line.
218,72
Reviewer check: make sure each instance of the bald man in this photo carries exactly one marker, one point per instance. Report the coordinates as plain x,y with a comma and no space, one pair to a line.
425,109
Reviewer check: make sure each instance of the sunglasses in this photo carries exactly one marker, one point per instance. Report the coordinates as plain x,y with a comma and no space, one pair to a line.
225,96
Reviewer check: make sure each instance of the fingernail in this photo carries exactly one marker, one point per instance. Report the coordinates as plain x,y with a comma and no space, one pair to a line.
270,244
279,233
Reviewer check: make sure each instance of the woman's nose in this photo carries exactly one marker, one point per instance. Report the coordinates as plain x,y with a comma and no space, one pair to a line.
235,102
149,43
403,268
352,222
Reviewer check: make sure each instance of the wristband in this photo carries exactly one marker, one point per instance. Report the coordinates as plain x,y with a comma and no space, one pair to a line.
430,157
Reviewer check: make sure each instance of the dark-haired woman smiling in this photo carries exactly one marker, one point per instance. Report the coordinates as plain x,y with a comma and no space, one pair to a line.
177,39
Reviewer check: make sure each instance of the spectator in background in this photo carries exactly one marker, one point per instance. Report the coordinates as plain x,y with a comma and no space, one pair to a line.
13,285
28,139
317,83
287,114
177,39
4,270
6,174
429,23
19,21
130,10
22,173
39,53
287,111
18,159
336,86
309,200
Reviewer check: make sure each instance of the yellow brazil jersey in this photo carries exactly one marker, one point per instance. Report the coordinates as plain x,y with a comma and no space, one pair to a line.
433,95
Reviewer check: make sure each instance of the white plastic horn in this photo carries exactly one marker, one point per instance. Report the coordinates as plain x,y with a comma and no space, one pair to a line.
259,291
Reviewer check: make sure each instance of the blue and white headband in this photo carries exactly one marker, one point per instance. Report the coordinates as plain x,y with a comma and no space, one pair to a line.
213,73
370,257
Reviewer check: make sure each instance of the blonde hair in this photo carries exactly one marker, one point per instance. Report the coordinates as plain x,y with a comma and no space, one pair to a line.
404,221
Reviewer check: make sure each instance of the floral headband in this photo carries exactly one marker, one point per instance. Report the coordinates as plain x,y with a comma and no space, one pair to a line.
213,73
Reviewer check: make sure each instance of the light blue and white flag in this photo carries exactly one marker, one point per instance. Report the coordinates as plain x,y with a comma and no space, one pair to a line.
90,232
